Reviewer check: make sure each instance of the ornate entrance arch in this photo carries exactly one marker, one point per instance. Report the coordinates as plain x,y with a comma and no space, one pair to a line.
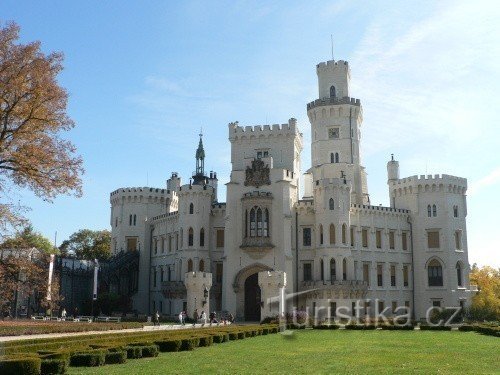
247,291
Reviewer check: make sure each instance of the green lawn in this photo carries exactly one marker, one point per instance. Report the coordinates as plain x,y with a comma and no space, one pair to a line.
382,352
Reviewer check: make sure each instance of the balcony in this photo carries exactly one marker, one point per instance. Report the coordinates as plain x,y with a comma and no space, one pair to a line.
256,244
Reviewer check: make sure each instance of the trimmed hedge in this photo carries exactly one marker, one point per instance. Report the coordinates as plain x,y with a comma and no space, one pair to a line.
119,356
20,366
190,343
133,352
150,351
169,345
391,327
54,366
327,326
206,340
88,359
233,336
360,326
265,331
435,328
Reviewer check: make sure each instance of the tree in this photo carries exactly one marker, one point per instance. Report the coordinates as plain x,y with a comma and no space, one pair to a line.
486,303
88,244
24,260
32,114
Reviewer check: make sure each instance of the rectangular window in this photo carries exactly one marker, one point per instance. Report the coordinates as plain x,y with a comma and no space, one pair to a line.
394,307
436,303
391,240
367,308
352,236
154,277
433,240
156,245
177,241
218,272
380,281
366,273
307,271
458,240
132,244
380,306
333,309
378,236
161,274
405,275
353,308
220,238
393,275
306,237
364,235
404,241
169,243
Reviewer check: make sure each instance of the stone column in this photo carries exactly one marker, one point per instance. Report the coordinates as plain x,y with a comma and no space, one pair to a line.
272,285
196,283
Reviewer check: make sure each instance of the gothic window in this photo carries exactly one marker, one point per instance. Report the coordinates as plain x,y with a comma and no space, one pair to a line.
344,234
322,270
190,265
455,211
266,223
331,204
336,157
435,273
190,237
321,234
130,219
135,219
458,240
202,238
306,237
191,208
332,158
201,266
459,275
253,224
333,94
344,269
429,210
434,210
259,222
116,221
333,271
332,234
307,271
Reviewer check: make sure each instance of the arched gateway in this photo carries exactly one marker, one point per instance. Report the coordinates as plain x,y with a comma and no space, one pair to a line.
247,290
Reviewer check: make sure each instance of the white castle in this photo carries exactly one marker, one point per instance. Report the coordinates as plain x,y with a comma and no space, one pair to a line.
332,247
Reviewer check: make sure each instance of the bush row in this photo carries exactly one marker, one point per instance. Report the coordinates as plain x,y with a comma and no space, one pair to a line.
482,328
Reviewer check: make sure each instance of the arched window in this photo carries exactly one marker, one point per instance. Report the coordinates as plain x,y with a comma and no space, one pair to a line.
332,234
429,212
266,223
190,237
434,210
331,204
191,208
332,158
333,94
246,223
344,269
333,271
321,236
435,273
190,265
459,275
202,237
135,219
322,271
344,234
259,222
455,211
130,220
336,157
201,267
182,238
253,224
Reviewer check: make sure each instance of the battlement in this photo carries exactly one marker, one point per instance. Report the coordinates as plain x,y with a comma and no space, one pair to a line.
137,194
190,188
332,64
165,216
381,209
333,101
325,182
258,194
236,131
414,184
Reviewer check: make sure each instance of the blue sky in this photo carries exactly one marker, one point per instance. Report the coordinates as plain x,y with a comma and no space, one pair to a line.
145,76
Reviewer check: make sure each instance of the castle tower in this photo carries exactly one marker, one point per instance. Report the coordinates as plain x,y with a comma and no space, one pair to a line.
392,176
335,129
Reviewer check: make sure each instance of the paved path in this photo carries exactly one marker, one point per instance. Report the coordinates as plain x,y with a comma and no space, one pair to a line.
163,327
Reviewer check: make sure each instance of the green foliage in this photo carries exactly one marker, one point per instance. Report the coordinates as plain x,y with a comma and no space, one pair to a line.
88,244
486,303
206,340
54,366
169,345
133,352
150,350
118,356
20,366
27,238
88,359
233,336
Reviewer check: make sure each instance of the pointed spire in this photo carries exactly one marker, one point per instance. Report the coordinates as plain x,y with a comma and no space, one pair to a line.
200,160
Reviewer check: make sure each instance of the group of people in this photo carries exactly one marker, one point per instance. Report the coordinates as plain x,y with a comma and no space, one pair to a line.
202,318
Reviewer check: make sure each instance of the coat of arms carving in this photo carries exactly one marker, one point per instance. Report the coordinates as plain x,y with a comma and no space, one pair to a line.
258,174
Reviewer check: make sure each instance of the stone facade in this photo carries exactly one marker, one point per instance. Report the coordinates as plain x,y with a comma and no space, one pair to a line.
332,246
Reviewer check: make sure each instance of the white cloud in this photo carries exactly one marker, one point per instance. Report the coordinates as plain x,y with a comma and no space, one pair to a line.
491,178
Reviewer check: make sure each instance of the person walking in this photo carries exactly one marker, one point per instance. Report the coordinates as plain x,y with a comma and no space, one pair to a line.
63,314
195,317
157,318
203,318
181,320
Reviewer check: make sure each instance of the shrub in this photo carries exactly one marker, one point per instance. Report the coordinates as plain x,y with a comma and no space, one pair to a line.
54,366
435,328
54,355
248,333
241,335
233,336
206,340
133,352
265,331
391,327
169,345
485,330
20,366
218,339
467,328
119,356
88,359
189,343
150,350
273,330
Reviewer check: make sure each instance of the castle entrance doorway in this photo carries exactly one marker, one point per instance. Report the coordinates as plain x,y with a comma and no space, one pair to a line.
252,298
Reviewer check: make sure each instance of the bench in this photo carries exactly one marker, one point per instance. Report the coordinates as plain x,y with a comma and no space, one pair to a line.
114,319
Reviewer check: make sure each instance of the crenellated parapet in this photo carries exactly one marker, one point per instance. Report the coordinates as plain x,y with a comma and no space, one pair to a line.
333,183
378,210
428,183
138,195
237,132
189,189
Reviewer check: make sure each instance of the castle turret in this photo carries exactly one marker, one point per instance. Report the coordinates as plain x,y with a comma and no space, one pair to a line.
392,175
